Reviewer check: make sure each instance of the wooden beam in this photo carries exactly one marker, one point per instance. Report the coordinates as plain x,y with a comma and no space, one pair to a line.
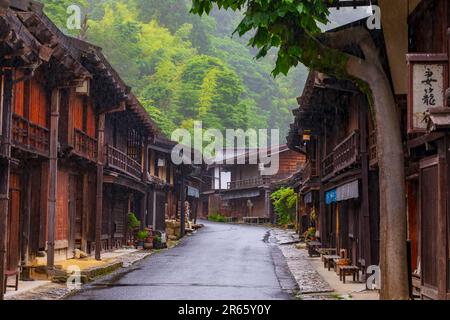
53,173
100,171
5,168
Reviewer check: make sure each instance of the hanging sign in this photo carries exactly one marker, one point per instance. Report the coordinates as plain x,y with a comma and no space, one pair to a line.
428,81
331,197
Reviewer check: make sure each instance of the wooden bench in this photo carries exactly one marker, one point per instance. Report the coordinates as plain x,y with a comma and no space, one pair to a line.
9,274
345,271
327,252
328,261
313,248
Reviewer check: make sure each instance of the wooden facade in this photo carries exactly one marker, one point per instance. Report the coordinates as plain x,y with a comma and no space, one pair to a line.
411,32
241,191
75,152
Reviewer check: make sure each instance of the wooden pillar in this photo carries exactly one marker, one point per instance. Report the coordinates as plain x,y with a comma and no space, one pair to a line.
100,169
53,176
182,199
365,207
144,201
25,219
85,214
5,148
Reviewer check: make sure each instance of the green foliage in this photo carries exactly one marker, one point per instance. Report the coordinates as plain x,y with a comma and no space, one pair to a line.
133,222
143,235
216,218
284,201
184,67
287,25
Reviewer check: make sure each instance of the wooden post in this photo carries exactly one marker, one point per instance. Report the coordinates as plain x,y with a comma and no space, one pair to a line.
25,220
365,207
85,217
100,169
144,201
182,199
5,148
53,173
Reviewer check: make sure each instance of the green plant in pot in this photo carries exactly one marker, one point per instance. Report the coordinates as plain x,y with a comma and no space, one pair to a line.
148,242
133,227
142,237
157,243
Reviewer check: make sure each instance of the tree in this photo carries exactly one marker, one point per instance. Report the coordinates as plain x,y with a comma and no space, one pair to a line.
285,200
292,27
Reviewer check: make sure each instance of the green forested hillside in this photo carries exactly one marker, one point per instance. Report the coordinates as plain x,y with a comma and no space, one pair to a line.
185,68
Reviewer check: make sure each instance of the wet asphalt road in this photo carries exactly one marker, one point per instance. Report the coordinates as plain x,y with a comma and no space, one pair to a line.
220,262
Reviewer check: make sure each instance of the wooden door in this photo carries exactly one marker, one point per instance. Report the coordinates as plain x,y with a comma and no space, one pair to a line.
433,239
13,235
75,213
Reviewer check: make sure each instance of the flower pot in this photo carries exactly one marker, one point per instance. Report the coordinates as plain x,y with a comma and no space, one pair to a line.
148,245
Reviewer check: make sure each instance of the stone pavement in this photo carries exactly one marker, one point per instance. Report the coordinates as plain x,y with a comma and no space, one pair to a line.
315,282
46,290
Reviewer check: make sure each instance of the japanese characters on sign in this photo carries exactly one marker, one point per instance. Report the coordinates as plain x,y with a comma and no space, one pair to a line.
427,85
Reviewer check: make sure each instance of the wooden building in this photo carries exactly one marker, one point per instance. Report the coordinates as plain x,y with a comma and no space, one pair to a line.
334,128
414,45
241,191
76,148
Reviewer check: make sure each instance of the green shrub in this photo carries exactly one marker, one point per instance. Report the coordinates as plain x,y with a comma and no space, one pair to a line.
142,235
284,201
216,218
133,222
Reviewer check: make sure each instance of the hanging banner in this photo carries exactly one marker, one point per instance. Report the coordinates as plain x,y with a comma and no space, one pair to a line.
428,81
331,197
308,198
348,191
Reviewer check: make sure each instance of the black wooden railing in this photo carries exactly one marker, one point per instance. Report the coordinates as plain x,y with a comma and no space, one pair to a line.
344,156
121,161
30,136
311,170
84,145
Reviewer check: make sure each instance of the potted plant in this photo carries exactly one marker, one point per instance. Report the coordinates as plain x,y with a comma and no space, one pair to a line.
148,242
133,226
142,237
157,244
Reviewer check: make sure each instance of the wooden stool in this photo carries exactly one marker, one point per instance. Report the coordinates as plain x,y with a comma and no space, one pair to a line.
345,271
12,273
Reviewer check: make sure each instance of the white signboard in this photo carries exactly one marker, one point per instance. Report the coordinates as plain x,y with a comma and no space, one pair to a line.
427,85
428,91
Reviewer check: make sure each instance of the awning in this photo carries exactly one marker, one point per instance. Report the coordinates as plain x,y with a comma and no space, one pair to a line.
243,194
348,191
193,192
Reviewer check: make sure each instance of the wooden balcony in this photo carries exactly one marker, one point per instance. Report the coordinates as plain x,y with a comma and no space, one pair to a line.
84,145
311,170
373,152
346,155
248,183
119,160
29,136
328,167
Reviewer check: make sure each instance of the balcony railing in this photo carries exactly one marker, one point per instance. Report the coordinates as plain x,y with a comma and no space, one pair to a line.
120,161
30,136
373,152
344,156
347,152
328,166
84,145
248,183
311,170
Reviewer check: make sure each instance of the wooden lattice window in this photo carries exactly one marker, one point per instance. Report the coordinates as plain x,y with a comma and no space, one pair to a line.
134,149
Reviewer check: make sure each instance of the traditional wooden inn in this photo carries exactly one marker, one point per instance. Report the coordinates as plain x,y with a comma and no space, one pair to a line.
78,151
241,191
341,174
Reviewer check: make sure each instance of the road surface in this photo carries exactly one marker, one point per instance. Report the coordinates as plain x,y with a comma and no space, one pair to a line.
220,262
